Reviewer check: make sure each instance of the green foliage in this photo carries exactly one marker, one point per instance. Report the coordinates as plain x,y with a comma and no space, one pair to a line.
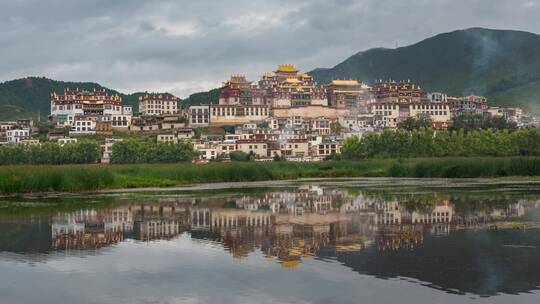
336,128
466,167
197,132
276,157
474,122
240,156
411,123
431,143
210,97
24,179
133,151
229,129
50,153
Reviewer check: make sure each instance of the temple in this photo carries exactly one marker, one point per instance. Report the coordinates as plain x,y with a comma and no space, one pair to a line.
348,94
285,87
237,90
74,102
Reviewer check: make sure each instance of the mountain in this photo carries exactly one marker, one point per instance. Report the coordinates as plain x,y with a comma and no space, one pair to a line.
501,64
28,97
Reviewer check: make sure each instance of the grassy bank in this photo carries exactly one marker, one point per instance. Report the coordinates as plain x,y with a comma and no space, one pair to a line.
25,179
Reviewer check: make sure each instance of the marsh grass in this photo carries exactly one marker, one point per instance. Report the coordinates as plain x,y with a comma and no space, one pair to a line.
466,167
71,178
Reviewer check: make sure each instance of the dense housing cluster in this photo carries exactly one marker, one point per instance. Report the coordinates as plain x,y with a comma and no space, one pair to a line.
285,115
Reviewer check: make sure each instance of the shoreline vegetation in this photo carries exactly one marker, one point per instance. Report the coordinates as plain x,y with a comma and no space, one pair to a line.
400,143
73,178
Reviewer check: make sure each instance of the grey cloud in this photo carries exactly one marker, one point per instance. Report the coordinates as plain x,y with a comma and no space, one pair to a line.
191,45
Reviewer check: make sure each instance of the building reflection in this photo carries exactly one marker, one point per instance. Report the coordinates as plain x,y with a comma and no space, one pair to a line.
287,226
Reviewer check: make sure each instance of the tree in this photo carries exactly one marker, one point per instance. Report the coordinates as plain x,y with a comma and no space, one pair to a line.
50,153
133,151
239,156
441,143
276,157
478,121
411,123
228,129
336,128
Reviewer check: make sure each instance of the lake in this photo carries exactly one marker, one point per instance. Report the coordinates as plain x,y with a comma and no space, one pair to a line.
316,241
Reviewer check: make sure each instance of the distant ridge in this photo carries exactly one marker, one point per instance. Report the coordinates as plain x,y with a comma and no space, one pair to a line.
501,64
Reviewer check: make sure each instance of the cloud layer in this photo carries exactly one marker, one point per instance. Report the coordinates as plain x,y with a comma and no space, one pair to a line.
192,45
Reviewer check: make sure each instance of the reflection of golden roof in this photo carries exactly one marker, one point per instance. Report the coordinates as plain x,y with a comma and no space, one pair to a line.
287,68
348,248
290,263
344,82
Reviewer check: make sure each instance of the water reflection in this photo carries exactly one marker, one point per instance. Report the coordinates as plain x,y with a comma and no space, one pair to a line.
456,243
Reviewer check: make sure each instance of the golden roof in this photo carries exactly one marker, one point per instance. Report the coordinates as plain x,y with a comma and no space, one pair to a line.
90,102
344,82
287,68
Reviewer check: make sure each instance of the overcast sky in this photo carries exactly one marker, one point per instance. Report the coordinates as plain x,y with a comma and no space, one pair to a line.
186,46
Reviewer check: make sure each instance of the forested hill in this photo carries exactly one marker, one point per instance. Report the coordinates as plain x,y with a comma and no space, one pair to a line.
29,96
501,64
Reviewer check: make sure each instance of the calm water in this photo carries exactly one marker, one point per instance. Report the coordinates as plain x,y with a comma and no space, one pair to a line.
316,242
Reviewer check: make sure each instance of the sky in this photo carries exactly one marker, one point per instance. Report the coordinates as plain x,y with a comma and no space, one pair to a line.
187,46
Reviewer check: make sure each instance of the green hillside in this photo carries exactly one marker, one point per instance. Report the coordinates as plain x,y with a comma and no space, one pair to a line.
501,64
27,97
210,97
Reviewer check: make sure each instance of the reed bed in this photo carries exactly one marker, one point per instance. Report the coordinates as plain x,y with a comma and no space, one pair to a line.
73,178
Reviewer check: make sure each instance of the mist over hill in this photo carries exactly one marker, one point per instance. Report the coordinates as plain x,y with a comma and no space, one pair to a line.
501,64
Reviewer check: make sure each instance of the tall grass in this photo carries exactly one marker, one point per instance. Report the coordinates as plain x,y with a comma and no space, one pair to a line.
26,179
466,167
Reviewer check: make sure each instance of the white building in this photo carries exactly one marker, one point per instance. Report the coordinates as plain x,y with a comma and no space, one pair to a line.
106,149
167,138
495,112
208,153
15,136
199,115
437,97
64,108
162,104
66,140
83,125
